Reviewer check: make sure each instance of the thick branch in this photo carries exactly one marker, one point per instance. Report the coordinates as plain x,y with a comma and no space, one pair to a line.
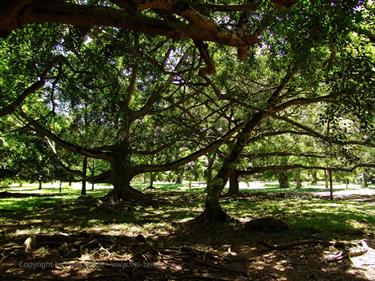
105,177
155,95
82,15
255,170
318,135
9,13
40,130
203,51
8,109
175,164
281,153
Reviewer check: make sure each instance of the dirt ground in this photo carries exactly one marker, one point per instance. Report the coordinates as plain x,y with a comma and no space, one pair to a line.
227,252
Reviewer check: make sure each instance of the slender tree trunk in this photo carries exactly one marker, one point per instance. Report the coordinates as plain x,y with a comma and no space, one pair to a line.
70,183
84,173
282,177
364,180
314,178
145,178
213,213
40,184
60,187
209,171
93,174
326,178
152,179
298,179
180,177
329,174
234,187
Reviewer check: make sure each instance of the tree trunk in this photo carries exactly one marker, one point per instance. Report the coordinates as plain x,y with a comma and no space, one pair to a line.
234,187
326,178
282,177
213,213
329,174
60,187
40,184
298,178
84,173
145,178
210,164
152,179
180,177
314,178
121,179
93,174
364,180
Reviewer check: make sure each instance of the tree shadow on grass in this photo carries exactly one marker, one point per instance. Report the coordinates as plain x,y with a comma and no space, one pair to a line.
118,243
226,252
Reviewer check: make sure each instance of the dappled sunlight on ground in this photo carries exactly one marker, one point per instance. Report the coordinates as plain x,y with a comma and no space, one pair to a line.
83,240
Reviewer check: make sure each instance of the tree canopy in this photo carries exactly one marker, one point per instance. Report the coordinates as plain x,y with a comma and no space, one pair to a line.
149,86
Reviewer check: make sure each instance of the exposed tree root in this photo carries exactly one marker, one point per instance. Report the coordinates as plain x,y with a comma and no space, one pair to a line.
290,245
208,220
356,249
234,195
128,195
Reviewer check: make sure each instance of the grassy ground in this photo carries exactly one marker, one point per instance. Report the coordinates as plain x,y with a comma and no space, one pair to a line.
82,238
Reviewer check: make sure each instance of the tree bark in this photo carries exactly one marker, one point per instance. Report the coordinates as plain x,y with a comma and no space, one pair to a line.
364,180
84,173
40,184
298,179
326,178
152,179
93,174
180,177
122,175
234,187
282,177
314,178
213,212
210,163
329,174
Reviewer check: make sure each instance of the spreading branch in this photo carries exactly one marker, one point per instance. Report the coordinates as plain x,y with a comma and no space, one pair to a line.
175,164
10,108
40,130
256,170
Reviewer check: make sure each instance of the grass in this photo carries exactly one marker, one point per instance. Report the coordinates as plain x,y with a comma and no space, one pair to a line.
54,212
80,232
314,215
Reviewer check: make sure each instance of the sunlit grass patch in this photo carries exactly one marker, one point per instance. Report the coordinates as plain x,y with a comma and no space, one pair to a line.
314,214
55,213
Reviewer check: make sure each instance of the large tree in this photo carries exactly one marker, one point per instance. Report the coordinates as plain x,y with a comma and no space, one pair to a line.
110,99
308,51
